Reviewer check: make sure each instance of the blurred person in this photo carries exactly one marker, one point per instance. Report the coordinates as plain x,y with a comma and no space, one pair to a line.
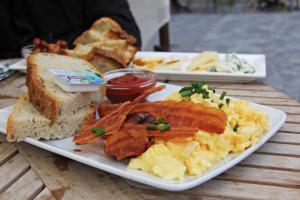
23,20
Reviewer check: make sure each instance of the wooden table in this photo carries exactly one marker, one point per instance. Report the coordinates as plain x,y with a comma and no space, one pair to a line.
272,172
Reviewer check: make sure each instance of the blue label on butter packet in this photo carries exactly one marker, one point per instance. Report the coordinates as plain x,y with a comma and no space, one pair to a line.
77,77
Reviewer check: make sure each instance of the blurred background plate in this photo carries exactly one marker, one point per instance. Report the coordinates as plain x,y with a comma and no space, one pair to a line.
256,60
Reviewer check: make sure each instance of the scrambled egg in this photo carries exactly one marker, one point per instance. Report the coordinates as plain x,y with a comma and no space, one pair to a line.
174,160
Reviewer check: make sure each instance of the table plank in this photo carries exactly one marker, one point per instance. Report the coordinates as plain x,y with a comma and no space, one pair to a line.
262,176
255,93
242,86
293,118
12,170
70,178
290,127
45,194
272,162
287,138
7,151
280,149
27,187
227,189
223,85
270,101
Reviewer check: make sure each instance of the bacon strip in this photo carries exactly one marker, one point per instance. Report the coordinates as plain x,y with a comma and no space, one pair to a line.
180,114
113,121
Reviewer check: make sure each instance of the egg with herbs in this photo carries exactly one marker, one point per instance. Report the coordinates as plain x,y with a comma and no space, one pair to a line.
173,160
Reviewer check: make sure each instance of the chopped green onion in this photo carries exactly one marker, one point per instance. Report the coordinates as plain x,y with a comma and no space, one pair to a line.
186,93
151,127
220,105
160,121
98,131
223,95
236,126
205,95
165,127
186,88
227,101
198,86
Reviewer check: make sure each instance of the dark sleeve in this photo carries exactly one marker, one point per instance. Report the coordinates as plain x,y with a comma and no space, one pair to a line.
116,9
8,38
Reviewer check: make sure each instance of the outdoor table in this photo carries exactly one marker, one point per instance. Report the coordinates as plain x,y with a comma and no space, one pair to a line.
272,172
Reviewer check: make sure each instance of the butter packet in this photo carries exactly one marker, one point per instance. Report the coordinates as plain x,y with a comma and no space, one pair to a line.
76,80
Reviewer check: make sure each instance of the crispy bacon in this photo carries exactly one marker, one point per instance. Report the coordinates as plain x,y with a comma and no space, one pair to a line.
130,140
114,120
180,114
133,139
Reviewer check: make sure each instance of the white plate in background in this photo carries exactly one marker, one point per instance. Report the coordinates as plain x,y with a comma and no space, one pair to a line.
93,154
256,60
21,65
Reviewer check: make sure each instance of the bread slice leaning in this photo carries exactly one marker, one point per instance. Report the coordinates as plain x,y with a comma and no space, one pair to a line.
45,95
26,121
105,55
104,29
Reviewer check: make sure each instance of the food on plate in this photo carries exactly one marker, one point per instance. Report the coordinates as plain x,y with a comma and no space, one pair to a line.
47,111
45,95
26,121
104,28
179,114
175,159
158,63
127,84
211,62
105,55
185,134
203,61
106,45
40,45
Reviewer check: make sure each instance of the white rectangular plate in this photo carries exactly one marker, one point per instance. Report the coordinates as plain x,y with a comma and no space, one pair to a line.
256,60
93,154
21,65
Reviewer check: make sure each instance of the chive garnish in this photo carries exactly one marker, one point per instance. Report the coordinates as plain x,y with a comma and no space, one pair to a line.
186,88
196,88
227,101
160,121
186,93
236,126
220,105
223,95
98,131
151,127
165,127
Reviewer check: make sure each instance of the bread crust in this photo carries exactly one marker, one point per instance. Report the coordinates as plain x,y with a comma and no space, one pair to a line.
9,128
43,101
114,32
89,119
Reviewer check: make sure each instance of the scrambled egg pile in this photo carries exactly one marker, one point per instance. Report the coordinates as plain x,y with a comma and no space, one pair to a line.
174,160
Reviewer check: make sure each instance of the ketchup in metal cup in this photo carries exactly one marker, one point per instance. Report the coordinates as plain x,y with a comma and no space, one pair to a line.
128,84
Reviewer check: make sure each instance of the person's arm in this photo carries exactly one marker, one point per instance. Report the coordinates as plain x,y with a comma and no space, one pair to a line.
8,38
118,10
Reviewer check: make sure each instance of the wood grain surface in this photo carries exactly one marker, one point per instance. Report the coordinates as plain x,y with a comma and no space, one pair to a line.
272,172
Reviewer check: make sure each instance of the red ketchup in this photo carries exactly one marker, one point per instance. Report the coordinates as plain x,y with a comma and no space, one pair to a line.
128,87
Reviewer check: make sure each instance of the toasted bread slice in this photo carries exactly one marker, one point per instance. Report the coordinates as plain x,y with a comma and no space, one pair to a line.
105,55
104,29
45,95
26,121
